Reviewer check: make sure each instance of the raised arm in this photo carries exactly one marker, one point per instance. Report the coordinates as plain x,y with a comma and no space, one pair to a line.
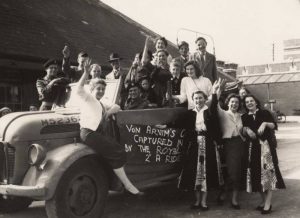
85,75
145,52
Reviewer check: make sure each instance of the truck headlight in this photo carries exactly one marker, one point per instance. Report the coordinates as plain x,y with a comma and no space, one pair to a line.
36,154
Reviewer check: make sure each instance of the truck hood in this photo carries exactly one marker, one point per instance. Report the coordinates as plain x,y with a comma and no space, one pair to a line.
38,125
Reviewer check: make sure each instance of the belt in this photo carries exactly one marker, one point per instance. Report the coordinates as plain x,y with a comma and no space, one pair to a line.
201,132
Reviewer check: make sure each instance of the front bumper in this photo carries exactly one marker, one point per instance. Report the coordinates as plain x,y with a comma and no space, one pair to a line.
23,191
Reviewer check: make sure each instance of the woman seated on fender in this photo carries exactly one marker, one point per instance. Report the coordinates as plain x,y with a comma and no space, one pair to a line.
93,112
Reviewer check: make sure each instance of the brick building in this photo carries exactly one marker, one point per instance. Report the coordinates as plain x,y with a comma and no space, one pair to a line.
277,81
33,31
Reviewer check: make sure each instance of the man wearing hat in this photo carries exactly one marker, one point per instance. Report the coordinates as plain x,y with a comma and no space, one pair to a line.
50,85
114,60
206,61
183,48
134,100
73,72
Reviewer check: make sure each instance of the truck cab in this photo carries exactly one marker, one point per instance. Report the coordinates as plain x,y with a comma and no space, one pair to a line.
42,157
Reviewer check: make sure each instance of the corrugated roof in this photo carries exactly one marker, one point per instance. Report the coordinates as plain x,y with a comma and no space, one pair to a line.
42,28
270,78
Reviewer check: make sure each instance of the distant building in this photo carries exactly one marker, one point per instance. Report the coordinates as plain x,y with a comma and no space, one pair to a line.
291,49
33,31
275,81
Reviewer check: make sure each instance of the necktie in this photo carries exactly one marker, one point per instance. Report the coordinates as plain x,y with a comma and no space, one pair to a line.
202,60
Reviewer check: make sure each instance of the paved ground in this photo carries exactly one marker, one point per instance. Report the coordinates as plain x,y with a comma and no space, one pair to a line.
167,202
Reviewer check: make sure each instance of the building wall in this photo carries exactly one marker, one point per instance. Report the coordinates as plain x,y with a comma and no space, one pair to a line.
286,95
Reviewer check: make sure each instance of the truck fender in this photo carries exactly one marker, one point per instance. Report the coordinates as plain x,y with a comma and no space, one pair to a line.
57,161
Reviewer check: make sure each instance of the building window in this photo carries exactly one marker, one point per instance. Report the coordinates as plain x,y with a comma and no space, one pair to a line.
11,96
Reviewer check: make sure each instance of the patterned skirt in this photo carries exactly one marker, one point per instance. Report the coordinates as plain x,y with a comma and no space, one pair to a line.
263,172
202,166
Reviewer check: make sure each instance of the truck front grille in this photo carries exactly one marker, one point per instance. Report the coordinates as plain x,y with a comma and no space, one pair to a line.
7,161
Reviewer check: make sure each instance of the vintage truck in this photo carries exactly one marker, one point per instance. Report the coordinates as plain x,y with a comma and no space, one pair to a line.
42,157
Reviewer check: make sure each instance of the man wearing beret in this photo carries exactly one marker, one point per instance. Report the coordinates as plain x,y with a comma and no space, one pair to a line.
134,100
50,85
73,72
206,61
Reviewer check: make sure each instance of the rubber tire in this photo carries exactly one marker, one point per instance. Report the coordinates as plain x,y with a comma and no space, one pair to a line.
14,204
88,167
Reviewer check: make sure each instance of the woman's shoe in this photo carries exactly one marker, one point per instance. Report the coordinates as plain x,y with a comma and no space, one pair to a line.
235,206
206,208
266,211
195,206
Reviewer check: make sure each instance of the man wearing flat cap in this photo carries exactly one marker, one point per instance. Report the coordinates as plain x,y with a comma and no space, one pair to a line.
73,72
114,60
50,86
134,100
206,61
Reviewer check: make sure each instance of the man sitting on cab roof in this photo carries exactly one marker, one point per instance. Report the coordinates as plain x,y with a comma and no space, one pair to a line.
134,100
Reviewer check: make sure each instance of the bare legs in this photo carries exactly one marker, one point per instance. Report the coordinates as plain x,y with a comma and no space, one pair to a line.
267,198
125,181
234,199
201,198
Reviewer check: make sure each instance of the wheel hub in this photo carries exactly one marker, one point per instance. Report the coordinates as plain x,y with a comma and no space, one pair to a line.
82,195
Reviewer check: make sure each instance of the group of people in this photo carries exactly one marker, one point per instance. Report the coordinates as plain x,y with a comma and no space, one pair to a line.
151,74
245,131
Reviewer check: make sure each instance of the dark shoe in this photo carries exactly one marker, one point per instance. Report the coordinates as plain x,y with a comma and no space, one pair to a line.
195,206
204,208
235,206
259,208
130,194
267,211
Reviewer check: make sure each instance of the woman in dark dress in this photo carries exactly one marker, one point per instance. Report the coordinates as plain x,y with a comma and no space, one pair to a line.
263,174
201,170
160,77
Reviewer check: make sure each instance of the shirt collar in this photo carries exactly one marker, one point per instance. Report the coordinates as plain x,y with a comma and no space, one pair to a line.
253,113
201,110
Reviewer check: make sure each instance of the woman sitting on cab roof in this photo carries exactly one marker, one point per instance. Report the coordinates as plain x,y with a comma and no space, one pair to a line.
93,113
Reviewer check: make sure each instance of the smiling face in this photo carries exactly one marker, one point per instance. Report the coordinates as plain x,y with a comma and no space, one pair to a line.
233,104
201,45
95,71
250,104
199,100
98,91
242,93
162,58
175,70
191,71
52,71
183,50
134,92
160,45
145,84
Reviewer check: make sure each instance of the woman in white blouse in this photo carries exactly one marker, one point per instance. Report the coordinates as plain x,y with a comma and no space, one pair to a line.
193,82
93,112
233,140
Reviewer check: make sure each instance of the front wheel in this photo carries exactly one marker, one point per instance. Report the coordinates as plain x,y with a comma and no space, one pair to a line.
81,192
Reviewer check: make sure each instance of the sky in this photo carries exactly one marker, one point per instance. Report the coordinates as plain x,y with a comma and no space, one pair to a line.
243,31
